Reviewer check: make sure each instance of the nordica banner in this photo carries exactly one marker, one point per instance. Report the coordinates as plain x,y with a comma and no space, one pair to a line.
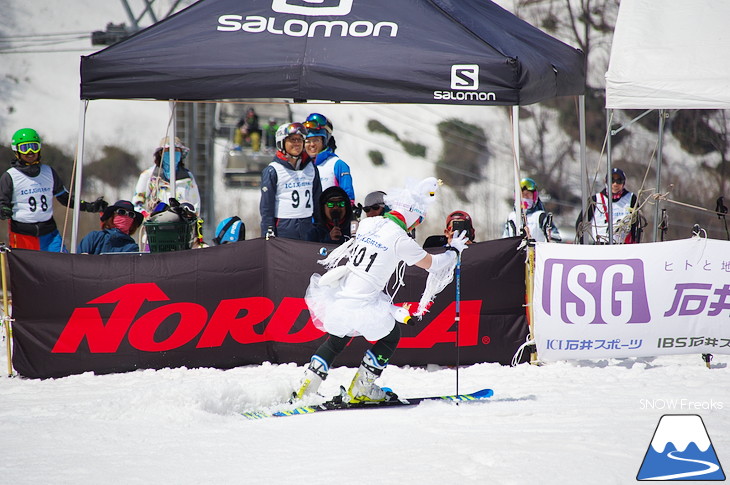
237,304
632,300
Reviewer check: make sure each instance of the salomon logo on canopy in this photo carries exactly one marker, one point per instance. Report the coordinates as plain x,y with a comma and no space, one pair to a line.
465,85
296,27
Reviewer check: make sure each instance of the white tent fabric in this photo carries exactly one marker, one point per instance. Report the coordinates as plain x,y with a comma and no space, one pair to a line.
670,54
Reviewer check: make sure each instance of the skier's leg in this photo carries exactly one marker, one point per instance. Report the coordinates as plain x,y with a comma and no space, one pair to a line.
363,387
320,365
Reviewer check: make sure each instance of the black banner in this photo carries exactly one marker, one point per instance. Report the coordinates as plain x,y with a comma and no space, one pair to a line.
237,304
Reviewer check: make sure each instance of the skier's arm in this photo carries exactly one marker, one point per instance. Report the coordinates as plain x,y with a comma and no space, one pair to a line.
316,193
267,205
6,196
437,262
61,194
344,179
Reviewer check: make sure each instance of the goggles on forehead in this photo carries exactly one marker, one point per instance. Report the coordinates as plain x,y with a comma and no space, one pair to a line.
295,129
337,203
528,185
25,148
315,121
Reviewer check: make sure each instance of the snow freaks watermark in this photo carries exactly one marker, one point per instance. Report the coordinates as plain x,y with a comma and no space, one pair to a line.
680,405
681,450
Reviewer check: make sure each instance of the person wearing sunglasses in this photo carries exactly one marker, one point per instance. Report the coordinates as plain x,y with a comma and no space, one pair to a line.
118,223
334,216
290,187
332,170
153,185
374,204
538,222
27,190
627,222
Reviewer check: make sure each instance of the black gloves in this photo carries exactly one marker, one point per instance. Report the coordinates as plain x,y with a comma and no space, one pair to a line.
6,212
99,205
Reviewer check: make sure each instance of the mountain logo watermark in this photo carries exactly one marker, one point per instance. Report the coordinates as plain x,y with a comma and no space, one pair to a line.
681,450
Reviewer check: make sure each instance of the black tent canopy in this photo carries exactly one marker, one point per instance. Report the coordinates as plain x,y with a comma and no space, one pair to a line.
469,52
457,52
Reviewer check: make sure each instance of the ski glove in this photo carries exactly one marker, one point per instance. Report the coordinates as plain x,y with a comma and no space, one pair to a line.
99,205
6,212
459,240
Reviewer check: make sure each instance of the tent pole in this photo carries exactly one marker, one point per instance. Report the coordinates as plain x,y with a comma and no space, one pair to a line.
660,147
172,128
79,172
516,153
609,198
583,167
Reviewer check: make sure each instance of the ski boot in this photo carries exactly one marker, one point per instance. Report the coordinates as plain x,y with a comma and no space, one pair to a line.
363,387
313,377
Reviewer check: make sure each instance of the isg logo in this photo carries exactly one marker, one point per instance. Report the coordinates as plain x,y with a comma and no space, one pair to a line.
465,85
596,291
312,7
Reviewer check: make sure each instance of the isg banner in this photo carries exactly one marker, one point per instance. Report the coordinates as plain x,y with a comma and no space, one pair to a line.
632,300
237,304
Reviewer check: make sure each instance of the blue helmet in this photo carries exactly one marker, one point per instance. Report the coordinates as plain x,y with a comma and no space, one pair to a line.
230,229
319,132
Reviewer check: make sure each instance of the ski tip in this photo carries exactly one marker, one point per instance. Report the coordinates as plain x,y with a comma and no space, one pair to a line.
484,393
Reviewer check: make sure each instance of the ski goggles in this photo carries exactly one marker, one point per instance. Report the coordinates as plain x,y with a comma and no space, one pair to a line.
617,180
336,203
295,129
528,185
25,148
316,121
125,212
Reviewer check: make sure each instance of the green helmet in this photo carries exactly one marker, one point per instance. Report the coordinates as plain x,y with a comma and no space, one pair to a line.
24,135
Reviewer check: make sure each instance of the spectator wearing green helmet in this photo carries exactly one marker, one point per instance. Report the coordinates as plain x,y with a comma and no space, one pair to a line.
537,223
27,190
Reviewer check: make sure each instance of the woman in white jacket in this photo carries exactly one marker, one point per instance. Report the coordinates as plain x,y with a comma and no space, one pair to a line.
153,185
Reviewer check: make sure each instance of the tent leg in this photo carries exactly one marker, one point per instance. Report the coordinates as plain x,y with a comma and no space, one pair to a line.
609,161
79,171
659,156
516,155
583,164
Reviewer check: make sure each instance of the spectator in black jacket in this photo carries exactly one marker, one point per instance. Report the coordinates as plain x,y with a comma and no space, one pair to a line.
334,216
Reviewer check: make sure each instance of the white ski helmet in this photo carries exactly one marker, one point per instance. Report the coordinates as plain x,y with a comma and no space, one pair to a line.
287,130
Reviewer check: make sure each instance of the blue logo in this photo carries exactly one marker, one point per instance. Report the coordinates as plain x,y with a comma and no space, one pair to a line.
681,450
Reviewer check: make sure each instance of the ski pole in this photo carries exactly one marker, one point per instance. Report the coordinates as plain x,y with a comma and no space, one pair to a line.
457,318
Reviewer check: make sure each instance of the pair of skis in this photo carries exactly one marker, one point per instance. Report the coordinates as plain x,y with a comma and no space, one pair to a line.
338,403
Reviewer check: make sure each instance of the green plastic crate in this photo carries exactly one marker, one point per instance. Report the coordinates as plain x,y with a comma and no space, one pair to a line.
164,237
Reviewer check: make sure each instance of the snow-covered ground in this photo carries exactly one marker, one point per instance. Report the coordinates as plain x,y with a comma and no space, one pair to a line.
561,423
